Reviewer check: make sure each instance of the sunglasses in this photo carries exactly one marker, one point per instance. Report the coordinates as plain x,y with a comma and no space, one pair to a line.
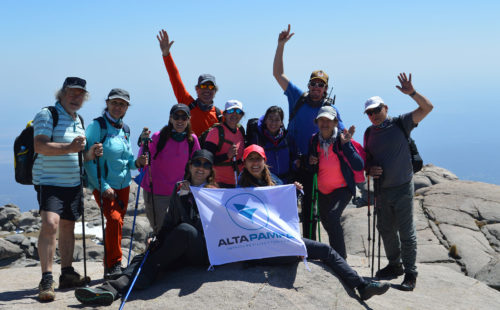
233,110
206,165
317,84
374,111
177,117
209,86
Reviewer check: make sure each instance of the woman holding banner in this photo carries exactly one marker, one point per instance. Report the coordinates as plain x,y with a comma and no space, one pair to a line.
180,240
256,173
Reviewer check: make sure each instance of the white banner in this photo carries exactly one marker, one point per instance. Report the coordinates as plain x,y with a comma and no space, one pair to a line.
249,223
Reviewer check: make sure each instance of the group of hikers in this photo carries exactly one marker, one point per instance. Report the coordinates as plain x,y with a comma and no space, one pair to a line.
204,146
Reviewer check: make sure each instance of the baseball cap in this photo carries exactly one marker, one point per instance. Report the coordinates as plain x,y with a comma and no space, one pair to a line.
319,74
203,154
254,148
74,82
180,107
204,78
230,104
328,112
118,93
373,102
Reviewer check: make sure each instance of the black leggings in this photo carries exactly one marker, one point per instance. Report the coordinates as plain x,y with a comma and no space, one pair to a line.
184,245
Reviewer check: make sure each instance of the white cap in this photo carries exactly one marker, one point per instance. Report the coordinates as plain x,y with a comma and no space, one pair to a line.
233,104
328,112
373,102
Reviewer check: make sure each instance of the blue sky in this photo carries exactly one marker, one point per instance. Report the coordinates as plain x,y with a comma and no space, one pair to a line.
451,47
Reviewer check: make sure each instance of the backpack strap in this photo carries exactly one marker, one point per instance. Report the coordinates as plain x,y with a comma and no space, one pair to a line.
55,117
399,122
298,105
302,100
192,105
190,145
126,130
218,113
104,128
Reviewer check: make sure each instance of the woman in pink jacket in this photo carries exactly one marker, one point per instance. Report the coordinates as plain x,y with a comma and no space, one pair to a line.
169,149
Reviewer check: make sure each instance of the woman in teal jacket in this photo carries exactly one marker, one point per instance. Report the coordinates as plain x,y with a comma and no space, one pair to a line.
115,164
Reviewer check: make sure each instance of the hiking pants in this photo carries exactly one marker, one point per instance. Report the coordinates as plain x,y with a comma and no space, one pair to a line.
161,204
184,246
331,207
318,250
308,227
396,226
114,214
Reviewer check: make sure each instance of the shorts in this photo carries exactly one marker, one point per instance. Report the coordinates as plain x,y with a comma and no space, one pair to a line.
64,201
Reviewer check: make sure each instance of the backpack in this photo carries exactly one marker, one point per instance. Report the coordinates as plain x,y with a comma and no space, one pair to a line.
302,100
416,160
222,139
253,133
104,128
24,149
218,113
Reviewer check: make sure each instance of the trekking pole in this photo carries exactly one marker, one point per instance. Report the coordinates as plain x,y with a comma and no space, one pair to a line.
82,209
368,214
235,168
146,149
101,204
374,225
314,208
137,180
135,277
376,194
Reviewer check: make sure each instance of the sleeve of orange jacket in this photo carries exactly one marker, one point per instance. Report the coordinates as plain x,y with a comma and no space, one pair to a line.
180,91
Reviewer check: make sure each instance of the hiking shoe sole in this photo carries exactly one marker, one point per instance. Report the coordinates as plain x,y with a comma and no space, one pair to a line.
90,296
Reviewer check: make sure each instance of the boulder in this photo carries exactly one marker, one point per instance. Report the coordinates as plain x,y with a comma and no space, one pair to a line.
9,250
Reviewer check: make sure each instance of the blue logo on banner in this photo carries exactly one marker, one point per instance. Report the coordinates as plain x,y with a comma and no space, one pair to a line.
247,211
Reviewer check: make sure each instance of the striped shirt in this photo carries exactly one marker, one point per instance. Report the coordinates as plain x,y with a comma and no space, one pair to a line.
57,170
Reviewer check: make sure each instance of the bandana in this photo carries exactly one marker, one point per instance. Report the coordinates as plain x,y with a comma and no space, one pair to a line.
115,123
277,138
204,107
325,143
178,136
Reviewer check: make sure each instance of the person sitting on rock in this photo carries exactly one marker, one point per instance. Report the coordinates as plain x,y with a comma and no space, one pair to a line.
256,173
180,240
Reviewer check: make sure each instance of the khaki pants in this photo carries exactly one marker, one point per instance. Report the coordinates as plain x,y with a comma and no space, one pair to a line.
161,207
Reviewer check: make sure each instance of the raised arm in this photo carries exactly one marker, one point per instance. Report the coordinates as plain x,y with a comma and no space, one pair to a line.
278,70
180,91
424,105
165,43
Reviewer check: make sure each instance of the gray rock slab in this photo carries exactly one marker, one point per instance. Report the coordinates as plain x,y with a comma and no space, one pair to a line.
15,238
472,246
9,250
490,274
453,217
279,287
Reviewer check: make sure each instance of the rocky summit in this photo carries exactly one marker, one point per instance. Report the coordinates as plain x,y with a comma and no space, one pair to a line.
458,234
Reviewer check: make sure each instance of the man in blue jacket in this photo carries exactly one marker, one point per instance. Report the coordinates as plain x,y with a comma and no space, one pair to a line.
303,108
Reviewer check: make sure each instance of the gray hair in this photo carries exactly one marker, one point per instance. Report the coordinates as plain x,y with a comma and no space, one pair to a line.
61,92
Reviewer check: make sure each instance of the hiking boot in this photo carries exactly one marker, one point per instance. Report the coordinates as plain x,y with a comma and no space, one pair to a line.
94,296
46,289
373,288
113,272
390,271
70,279
409,282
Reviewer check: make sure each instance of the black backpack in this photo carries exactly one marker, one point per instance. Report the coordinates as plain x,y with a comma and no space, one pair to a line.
416,160
253,133
24,150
